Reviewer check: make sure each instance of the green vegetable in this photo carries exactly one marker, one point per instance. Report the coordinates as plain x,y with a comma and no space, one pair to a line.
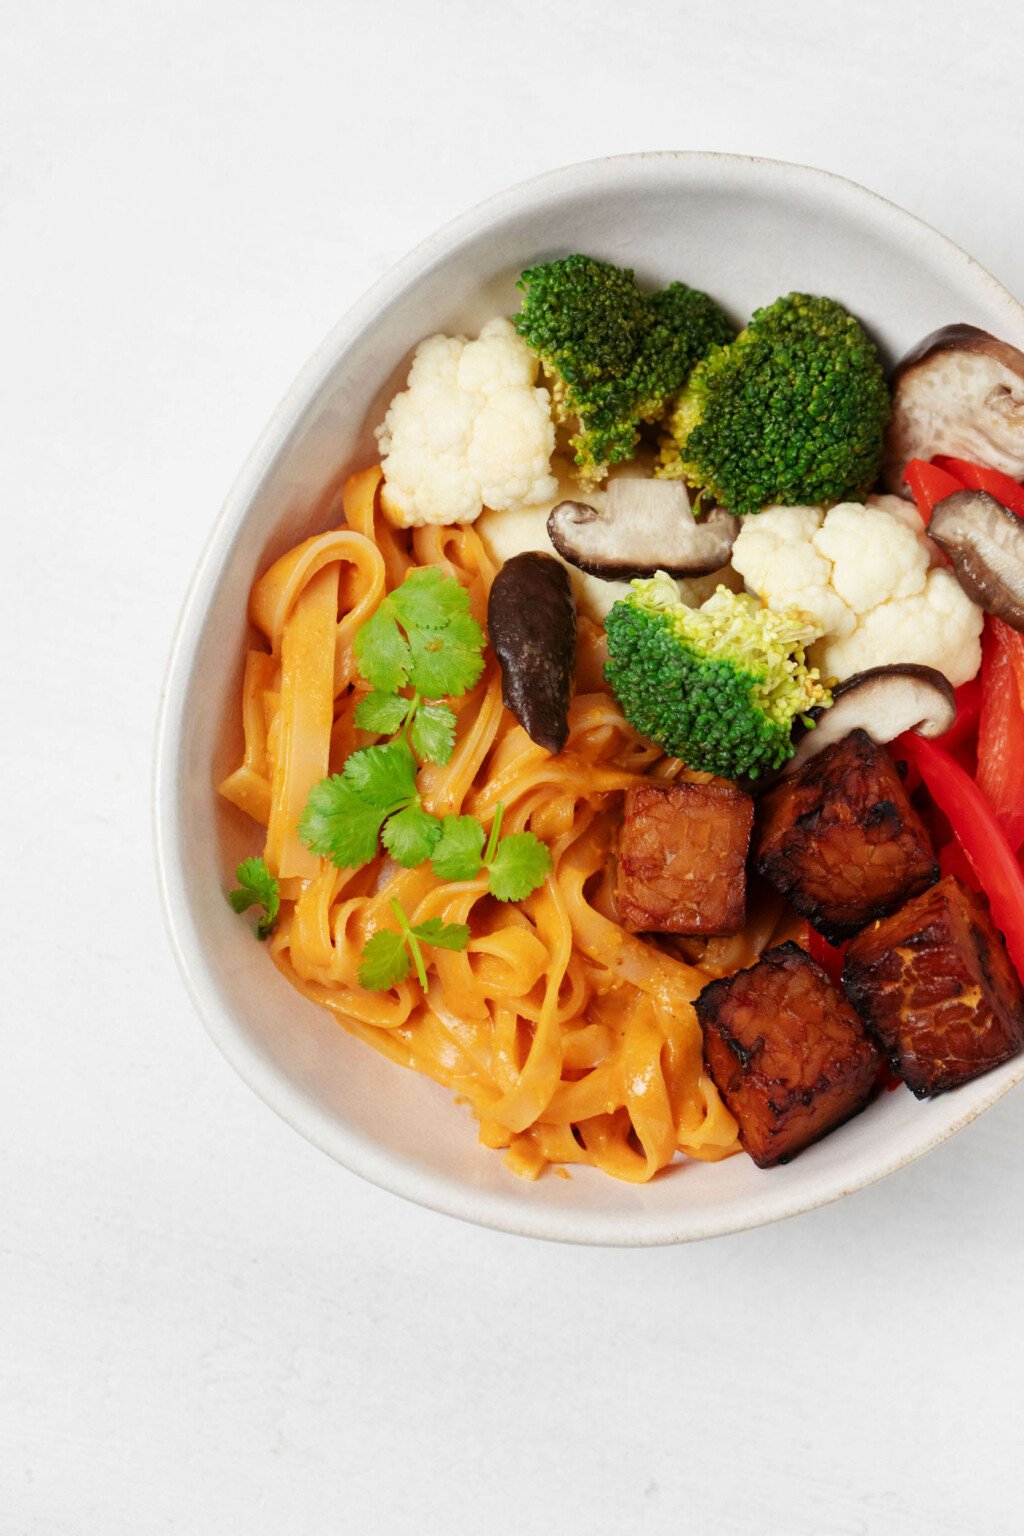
519,864
516,864
433,733
387,957
423,634
345,813
459,850
410,836
257,887
615,356
792,413
384,713
430,727
687,325
718,686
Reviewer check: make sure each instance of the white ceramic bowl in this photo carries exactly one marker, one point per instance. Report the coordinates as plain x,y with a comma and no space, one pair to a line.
747,230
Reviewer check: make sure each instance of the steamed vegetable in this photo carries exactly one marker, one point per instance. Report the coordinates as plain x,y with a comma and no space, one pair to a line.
718,686
792,412
928,484
976,477
960,391
531,618
615,357
865,576
978,833
1001,728
985,542
470,430
884,702
645,526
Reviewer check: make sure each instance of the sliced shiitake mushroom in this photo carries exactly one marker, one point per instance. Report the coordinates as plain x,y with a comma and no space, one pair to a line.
885,702
531,619
960,392
646,526
985,542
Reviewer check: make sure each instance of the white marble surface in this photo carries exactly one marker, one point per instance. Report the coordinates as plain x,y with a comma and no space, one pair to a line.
205,1326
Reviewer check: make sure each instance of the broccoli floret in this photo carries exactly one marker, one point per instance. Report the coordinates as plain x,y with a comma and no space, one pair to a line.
687,325
614,356
792,413
718,686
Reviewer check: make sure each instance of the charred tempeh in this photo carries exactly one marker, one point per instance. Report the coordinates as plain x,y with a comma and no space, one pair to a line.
935,985
840,839
788,1054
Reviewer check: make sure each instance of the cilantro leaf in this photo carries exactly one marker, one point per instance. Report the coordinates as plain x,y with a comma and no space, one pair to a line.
383,776
384,960
257,887
441,649
411,835
448,659
338,825
459,848
384,713
388,957
381,651
427,597
521,863
442,935
433,733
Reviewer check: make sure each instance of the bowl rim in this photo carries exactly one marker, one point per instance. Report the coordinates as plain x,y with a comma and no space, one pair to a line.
432,1190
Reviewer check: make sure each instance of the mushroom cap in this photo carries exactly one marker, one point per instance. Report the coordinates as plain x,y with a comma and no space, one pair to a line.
531,622
960,391
884,702
646,526
985,542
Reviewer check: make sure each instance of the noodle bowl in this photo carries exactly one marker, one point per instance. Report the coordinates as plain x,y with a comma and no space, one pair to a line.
571,1040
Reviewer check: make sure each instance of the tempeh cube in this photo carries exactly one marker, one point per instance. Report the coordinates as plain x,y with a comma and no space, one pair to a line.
840,839
935,985
787,1053
682,858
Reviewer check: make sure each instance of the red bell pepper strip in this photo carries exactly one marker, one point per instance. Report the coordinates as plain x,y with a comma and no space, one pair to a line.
929,483
953,861
979,834
977,478
968,711
1001,729
828,956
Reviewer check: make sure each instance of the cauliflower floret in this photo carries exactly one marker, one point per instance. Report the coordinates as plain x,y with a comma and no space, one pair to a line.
936,627
874,556
872,581
775,554
471,429
905,512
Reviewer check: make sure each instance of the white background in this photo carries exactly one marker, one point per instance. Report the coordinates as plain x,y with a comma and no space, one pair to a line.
207,1326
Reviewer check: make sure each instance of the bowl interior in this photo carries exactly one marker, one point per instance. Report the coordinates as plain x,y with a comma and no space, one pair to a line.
746,231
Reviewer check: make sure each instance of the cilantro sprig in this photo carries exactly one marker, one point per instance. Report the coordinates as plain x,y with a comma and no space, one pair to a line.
429,728
422,635
515,865
257,887
374,797
388,957
422,639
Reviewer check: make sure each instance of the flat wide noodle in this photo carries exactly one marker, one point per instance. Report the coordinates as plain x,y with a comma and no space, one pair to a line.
572,1040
